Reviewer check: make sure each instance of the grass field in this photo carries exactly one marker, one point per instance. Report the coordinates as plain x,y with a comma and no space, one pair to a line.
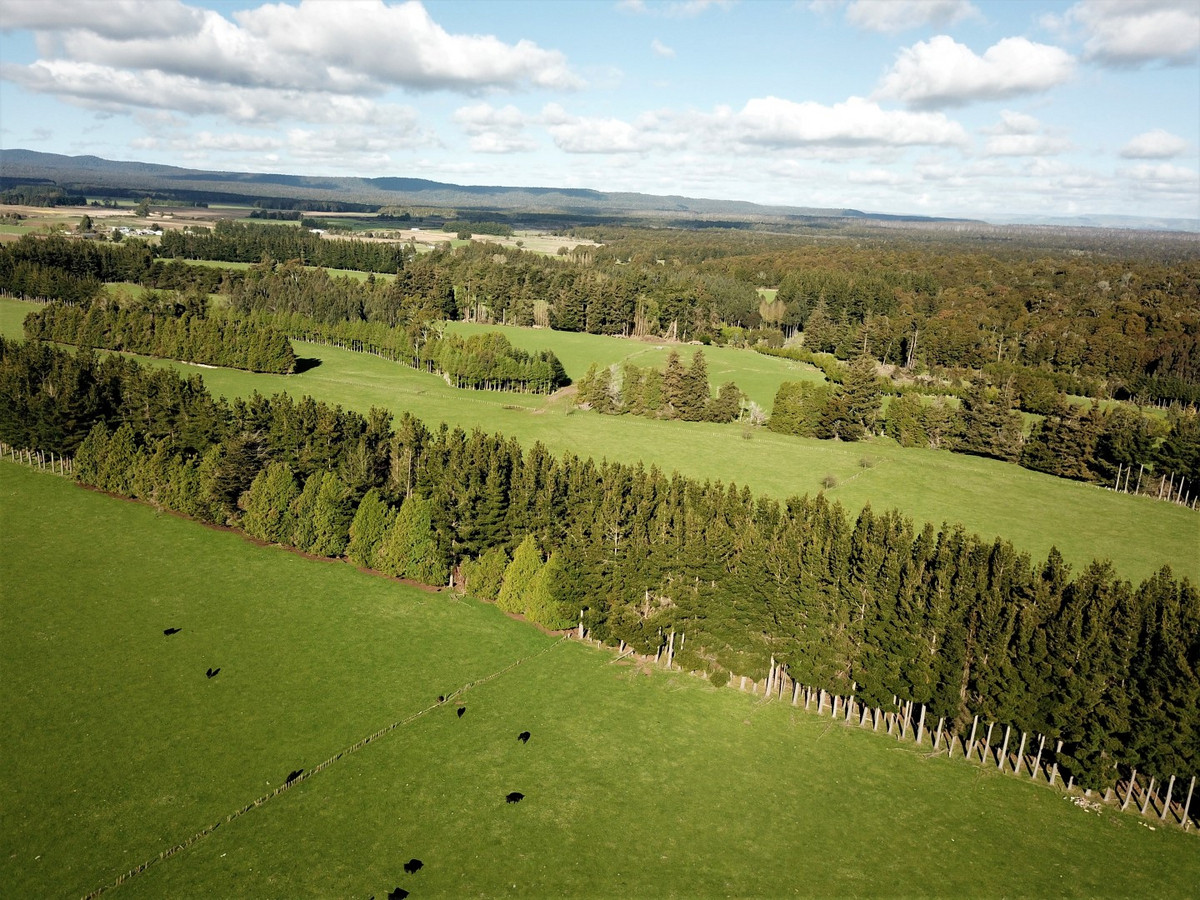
1032,510
636,782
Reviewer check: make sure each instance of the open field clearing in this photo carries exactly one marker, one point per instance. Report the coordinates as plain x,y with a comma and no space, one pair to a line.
1033,510
636,783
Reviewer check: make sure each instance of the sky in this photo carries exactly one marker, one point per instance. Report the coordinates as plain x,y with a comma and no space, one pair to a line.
935,107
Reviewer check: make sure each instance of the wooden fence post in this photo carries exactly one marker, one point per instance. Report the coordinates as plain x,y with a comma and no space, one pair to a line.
971,743
1146,798
1187,803
1167,802
1004,750
1020,756
1129,793
1054,771
987,743
1037,762
937,738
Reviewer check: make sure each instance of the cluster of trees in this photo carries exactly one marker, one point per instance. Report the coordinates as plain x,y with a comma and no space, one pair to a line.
489,362
846,411
984,423
167,327
418,295
250,242
676,392
41,195
1097,444
461,226
871,605
1085,443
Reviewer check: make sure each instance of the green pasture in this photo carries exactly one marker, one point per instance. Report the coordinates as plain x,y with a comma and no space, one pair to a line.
637,782
1032,510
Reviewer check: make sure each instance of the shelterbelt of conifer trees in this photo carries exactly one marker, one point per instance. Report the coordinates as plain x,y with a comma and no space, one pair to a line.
870,606
161,328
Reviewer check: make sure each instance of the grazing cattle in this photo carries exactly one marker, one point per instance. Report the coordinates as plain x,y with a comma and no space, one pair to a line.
171,631
461,710
398,894
212,673
441,698
413,866
523,737
294,775
514,797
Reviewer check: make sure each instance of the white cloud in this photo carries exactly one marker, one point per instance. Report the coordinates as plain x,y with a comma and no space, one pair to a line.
773,122
1025,145
115,19
1124,33
117,90
1014,123
1019,134
1157,144
894,16
206,140
1165,177
271,61
672,9
402,45
494,130
942,72
661,49
580,134
876,176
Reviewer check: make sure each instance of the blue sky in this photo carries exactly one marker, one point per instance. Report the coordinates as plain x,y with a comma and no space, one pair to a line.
942,107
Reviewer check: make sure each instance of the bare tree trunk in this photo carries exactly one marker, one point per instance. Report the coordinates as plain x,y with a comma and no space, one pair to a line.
1146,799
1020,756
1004,749
971,742
921,725
1054,771
1188,803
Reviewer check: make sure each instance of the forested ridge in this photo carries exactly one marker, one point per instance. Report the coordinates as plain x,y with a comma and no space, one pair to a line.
872,605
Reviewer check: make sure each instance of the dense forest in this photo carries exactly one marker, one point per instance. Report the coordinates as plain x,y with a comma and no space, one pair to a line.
1117,321
870,605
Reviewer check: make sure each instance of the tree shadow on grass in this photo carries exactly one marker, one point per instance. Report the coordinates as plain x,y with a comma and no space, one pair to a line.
305,363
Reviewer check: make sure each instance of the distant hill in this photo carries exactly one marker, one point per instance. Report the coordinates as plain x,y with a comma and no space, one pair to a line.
94,175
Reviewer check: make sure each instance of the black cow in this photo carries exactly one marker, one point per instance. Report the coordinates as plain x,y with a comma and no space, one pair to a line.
441,698
523,737
514,797
212,673
461,710
294,775
398,894
413,866
171,631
